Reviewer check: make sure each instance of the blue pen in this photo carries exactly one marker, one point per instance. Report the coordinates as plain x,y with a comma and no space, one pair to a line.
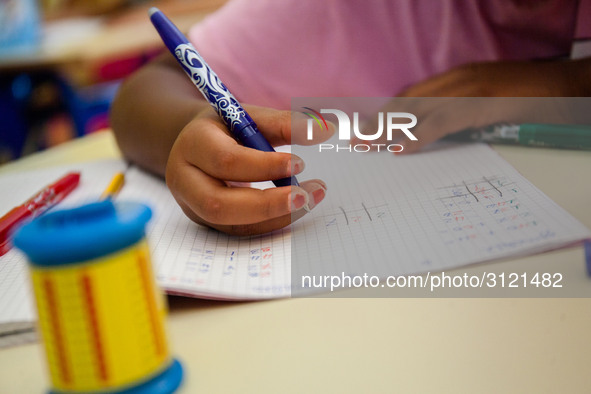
240,124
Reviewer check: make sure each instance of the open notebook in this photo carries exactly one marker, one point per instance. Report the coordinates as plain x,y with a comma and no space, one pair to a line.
439,209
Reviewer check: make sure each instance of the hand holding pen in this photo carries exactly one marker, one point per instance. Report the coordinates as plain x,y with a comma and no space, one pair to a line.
205,164
206,157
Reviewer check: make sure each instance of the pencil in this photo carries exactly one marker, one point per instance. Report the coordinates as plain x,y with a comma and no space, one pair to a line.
114,186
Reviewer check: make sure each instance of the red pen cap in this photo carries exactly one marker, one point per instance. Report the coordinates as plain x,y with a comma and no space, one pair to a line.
65,185
35,206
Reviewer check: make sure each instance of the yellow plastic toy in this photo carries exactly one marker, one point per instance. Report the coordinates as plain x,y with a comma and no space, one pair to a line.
101,314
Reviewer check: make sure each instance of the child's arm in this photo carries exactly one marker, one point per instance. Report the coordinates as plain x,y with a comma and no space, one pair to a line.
162,124
151,108
559,78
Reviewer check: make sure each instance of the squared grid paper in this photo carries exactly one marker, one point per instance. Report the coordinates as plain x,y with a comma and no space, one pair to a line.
451,206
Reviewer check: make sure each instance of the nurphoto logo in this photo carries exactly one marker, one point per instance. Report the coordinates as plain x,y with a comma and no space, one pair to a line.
392,128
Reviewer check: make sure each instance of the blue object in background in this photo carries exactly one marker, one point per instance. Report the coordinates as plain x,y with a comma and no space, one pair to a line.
14,94
20,30
29,101
89,106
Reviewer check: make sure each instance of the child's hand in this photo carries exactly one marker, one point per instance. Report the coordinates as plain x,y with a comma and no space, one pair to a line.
462,98
205,158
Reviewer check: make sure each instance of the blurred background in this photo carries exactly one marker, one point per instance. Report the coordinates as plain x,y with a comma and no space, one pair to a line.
61,62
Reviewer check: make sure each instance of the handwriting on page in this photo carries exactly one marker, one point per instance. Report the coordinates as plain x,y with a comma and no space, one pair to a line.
429,228
355,215
487,207
202,262
207,259
483,212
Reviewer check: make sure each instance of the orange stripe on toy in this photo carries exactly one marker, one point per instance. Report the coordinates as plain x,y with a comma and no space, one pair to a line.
56,329
94,327
149,296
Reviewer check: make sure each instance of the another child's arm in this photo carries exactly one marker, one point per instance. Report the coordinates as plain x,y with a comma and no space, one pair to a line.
555,78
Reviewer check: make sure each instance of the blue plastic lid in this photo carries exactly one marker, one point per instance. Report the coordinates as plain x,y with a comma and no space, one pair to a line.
83,233
167,382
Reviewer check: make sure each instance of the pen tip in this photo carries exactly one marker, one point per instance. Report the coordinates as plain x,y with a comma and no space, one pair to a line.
152,11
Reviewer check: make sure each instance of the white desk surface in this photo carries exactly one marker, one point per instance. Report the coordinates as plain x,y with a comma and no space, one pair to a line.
355,345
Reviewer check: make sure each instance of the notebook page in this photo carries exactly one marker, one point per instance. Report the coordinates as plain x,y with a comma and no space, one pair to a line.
450,206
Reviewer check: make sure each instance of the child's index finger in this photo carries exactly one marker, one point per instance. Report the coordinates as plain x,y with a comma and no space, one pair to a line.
289,127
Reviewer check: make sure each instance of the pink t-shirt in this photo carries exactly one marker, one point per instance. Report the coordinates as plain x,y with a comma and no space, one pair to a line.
268,51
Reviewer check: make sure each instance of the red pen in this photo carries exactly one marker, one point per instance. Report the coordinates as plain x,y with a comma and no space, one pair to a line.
35,206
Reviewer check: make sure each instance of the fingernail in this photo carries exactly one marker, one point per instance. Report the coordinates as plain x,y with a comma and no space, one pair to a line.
333,124
299,200
318,195
295,166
